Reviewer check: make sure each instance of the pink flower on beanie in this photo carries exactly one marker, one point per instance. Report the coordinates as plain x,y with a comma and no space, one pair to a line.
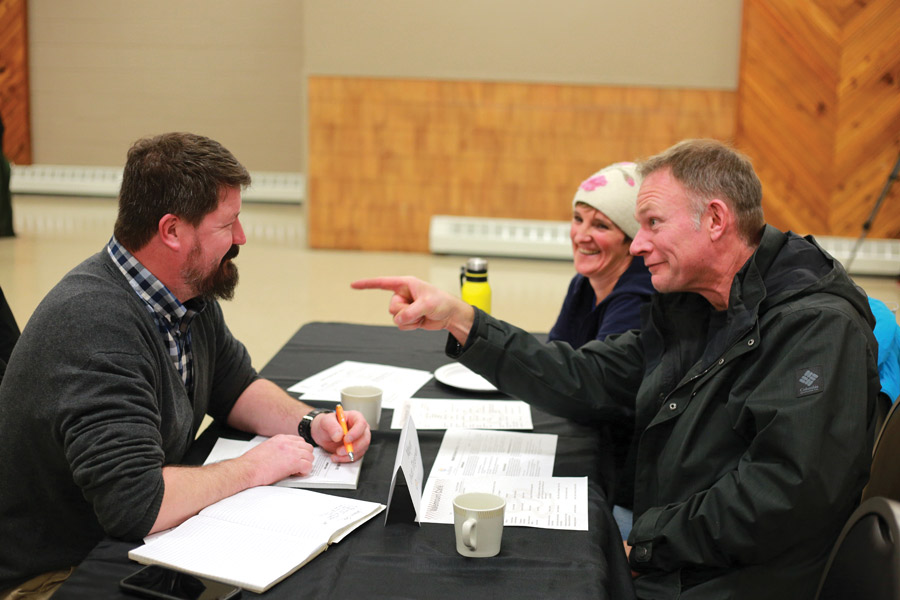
593,183
628,178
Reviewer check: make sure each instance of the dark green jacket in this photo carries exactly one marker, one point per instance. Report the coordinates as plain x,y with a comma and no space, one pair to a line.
755,424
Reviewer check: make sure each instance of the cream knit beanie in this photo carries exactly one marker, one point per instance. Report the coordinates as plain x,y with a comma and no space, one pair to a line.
613,191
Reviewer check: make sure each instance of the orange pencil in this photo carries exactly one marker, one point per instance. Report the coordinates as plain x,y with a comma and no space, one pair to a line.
339,411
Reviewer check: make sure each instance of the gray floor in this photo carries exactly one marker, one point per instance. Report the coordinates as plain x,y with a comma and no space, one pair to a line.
283,283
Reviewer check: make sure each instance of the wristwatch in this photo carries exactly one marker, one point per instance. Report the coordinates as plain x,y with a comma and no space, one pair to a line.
305,426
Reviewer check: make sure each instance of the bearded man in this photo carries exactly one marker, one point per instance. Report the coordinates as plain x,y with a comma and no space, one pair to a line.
108,384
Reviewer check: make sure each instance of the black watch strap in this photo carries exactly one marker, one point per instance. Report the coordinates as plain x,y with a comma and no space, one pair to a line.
304,429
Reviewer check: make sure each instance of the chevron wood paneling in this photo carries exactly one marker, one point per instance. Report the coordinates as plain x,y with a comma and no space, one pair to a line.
386,154
14,96
818,110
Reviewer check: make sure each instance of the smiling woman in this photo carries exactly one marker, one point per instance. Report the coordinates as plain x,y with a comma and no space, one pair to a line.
606,295
611,286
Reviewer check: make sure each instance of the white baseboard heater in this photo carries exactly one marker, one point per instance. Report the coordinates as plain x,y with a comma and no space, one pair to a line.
103,182
520,238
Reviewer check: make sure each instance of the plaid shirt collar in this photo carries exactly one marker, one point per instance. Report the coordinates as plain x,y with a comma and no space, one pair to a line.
173,319
150,289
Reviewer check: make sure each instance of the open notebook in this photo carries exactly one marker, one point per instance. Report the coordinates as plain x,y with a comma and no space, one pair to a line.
257,537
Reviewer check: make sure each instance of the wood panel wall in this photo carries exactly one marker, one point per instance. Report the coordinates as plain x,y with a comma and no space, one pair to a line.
819,111
14,94
386,154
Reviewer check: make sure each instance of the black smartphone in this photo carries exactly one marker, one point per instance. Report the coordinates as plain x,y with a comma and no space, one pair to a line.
161,583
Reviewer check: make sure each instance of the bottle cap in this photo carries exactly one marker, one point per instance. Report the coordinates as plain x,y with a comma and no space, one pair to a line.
476,265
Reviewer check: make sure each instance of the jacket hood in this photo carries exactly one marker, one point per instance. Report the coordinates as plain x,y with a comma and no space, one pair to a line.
787,266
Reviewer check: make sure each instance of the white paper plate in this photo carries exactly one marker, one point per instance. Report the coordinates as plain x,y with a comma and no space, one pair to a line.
460,376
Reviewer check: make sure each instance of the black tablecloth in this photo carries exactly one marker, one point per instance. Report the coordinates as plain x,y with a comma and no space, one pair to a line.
403,559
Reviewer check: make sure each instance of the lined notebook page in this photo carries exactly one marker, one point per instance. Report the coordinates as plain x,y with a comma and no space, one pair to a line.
256,537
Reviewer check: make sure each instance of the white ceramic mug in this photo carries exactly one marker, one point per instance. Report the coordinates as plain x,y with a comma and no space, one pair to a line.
366,399
478,522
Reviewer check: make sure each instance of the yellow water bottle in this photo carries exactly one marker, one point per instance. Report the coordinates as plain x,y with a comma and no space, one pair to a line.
474,286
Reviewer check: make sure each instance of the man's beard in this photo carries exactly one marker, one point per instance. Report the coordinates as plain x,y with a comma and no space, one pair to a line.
219,283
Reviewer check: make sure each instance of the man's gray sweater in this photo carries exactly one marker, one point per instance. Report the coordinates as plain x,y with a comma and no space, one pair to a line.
91,409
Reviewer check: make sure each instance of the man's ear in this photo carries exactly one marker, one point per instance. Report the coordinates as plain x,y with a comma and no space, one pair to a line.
719,218
169,229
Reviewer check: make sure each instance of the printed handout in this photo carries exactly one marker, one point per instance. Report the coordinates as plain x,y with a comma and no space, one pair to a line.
545,502
397,383
517,466
473,452
325,474
468,414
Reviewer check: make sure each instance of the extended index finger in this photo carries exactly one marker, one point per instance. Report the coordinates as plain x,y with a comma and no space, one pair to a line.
393,284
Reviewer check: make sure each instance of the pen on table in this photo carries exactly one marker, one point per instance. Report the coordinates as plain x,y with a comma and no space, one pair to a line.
339,411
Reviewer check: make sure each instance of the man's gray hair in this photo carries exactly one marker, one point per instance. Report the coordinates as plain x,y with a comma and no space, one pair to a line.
710,169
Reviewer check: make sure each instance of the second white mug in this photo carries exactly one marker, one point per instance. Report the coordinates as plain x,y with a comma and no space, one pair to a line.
366,399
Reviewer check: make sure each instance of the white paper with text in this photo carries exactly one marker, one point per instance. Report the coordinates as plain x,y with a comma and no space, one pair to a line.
474,452
468,414
397,383
544,502
325,474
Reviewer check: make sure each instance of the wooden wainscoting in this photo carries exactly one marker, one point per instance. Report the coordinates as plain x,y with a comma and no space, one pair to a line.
819,112
14,97
386,154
